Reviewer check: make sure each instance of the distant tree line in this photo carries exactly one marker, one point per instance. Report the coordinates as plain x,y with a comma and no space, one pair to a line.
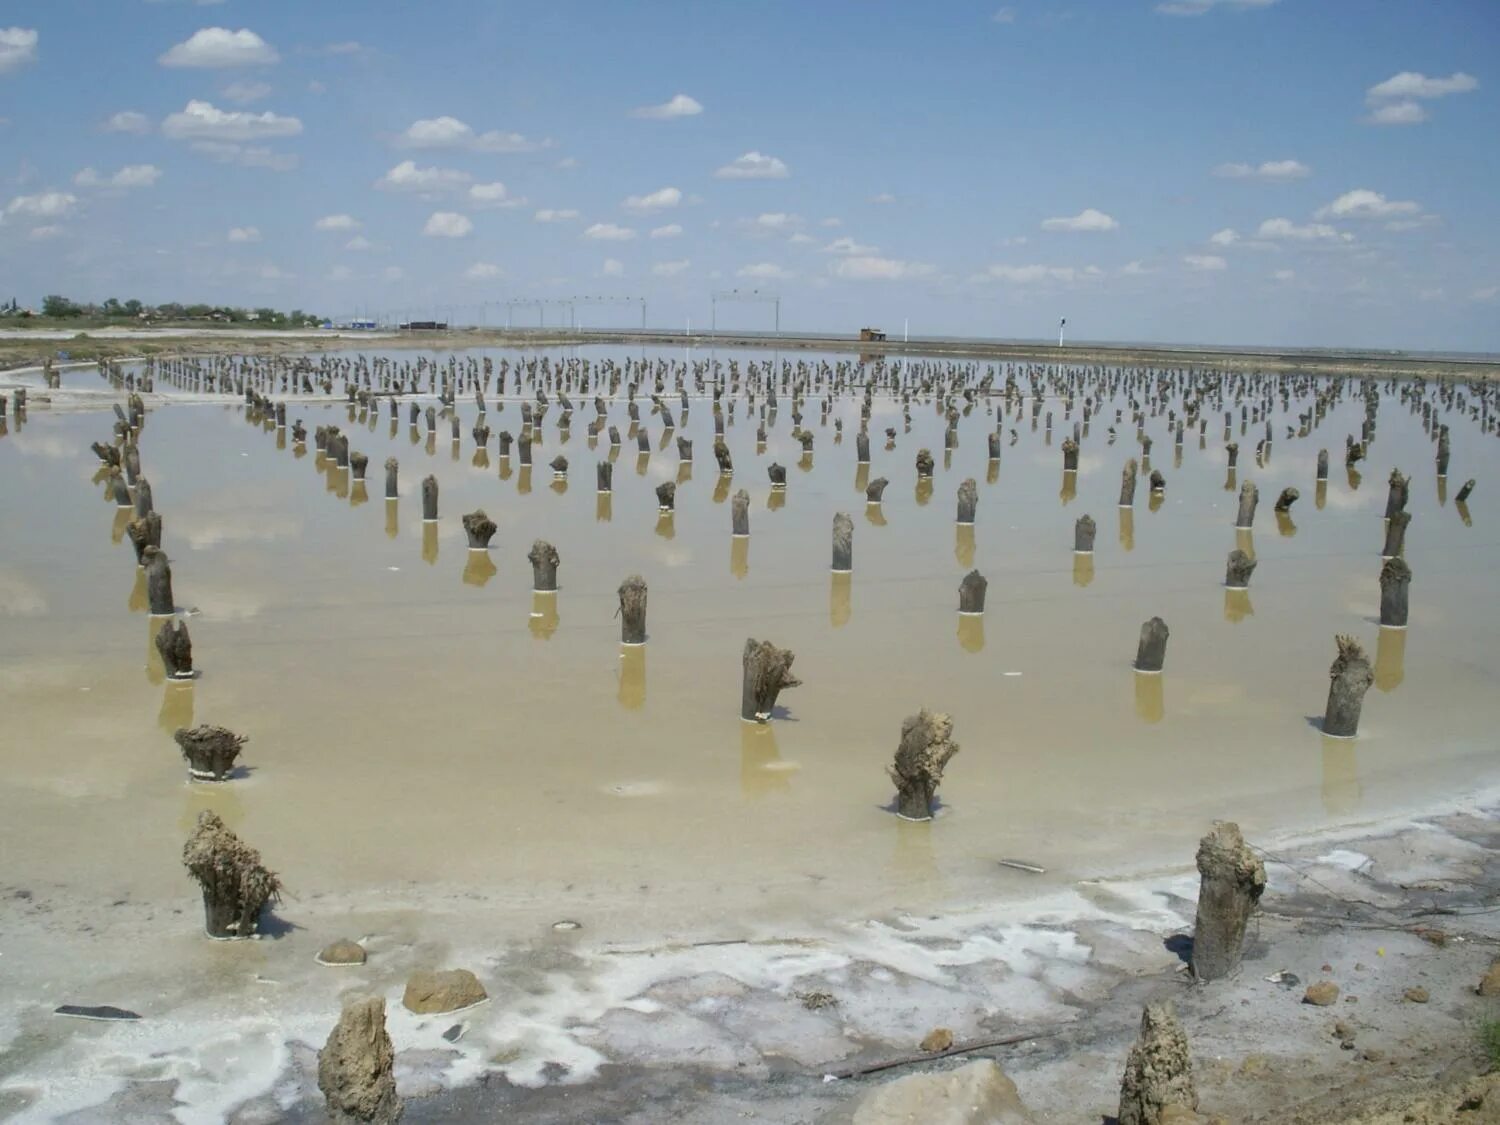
57,307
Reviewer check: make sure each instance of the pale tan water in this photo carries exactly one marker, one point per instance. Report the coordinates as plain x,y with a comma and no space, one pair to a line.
412,724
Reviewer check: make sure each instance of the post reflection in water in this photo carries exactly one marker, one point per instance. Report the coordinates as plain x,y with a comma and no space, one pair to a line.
1127,528
777,500
739,556
875,513
122,519
1342,792
971,632
505,470
481,458
140,600
1150,696
1237,605
632,675
912,859
840,601
1462,508
176,706
992,473
1244,539
544,619
156,671
862,477
963,545
604,507
1442,492
479,568
721,489
666,526
1354,478
429,543
1390,658
1083,568
761,768
559,485
357,494
1284,525
923,491
523,481
642,460
1231,481
1069,486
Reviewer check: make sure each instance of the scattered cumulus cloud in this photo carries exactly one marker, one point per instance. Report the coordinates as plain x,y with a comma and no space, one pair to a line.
407,177
218,47
1486,294
1086,220
1226,237
341,273
1203,7
671,230
1267,170
753,166
1004,15
337,222
44,205
678,105
773,222
483,271
17,47
847,245
244,234
670,269
1205,263
658,200
243,93
359,243
247,156
1362,203
1284,275
863,267
609,232
555,215
448,224
450,132
1039,274
204,121
41,234
127,121
882,199
612,267
494,194
1398,113
130,176
763,271
1411,84
1281,230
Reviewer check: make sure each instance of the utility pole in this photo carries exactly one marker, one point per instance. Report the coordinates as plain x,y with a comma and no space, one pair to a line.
1061,324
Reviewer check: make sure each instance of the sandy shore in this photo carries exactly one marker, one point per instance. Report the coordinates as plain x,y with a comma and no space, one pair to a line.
731,1027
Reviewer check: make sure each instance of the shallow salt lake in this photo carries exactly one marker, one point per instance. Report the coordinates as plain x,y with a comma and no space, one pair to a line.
418,717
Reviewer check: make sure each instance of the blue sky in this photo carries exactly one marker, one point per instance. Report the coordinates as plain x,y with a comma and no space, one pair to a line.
1297,172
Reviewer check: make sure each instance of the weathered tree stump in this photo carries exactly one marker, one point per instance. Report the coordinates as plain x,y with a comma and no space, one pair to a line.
210,751
503,442
429,499
559,467
392,468
875,490
1151,653
1249,499
1158,1070
1232,879
236,885
544,561
684,449
1350,677
633,610
767,673
721,455
1288,497
1158,483
666,496
1395,584
1127,484
1232,450
158,582
1322,464
924,464
739,514
971,593
1442,454
642,441
1399,493
144,533
968,501
1395,535
843,543
356,1067
1083,535
523,448
176,649
777,473
926,748
862,448
1241,567
1465,492
480,529
605,471
357,464
143,504
481,434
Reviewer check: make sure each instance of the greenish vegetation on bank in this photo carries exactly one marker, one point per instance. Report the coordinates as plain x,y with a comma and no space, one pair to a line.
57,311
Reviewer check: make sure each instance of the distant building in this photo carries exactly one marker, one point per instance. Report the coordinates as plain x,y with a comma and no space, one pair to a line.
871,334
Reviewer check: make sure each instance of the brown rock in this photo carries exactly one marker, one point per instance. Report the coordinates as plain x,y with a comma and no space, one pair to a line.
1489,984
976,1094
938,1039
445,991
1415,995
356,1067
1158,1070
1322,994
1255,1066
342,952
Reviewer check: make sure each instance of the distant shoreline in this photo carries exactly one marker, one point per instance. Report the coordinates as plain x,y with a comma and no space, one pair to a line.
20,349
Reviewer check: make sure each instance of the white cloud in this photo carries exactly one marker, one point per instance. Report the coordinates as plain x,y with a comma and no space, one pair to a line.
1486,294
483,271
406,176
130,176
1362,203
244,234
568,162
773,222
448,224
337,222
763,271
831,221
1285,275
1410,84
679,105
800,239
670,269
1038,274
45,205
658,200
1398,113
316,87
17,47
494,194
1205,263
554,215
1134,269
128,121
847,245
203,121
1086,220
40,234
359,242
392,273
1226,237
1266,170
1276,230
243,93
612,267
341,273
450,132
868,268
272,272
1203,7
753,166
609,232
671,230
248,156
883,198
1004,15
220,47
